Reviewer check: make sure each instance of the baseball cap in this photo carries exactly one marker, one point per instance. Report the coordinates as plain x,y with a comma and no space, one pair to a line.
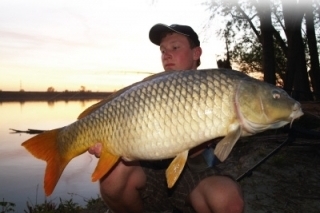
156,31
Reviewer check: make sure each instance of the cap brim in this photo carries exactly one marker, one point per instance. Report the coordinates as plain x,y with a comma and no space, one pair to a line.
155,34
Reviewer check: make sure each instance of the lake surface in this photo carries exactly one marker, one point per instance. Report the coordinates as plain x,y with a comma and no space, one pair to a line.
21,174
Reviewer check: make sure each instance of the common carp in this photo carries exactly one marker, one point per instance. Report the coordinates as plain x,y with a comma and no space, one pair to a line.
164,116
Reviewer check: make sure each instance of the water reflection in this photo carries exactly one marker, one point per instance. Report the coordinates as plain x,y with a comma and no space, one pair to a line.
21,177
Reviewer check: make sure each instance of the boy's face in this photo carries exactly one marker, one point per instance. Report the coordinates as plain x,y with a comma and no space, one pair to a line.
176,53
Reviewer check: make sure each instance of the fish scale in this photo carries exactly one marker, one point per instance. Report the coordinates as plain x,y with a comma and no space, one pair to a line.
150,113
164,116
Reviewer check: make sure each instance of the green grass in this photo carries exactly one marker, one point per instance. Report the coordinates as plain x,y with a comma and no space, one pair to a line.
63,206
6,206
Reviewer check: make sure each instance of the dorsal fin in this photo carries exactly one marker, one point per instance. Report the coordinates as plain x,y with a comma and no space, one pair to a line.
96,106
91,109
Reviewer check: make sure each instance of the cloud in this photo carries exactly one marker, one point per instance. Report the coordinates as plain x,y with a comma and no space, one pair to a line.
15,39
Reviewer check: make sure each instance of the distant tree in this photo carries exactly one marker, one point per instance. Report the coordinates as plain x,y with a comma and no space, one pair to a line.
82,88
50,89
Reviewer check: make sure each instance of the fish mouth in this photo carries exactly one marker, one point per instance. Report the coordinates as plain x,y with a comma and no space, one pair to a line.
252,128
296,112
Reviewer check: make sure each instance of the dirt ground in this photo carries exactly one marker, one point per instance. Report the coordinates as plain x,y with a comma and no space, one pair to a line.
289,180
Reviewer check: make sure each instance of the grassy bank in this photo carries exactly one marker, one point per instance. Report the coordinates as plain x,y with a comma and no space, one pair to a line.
93,205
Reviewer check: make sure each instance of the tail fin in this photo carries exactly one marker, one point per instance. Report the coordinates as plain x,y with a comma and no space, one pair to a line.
45,147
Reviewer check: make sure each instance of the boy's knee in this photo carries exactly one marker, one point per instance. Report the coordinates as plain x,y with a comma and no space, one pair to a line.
217,194
119,189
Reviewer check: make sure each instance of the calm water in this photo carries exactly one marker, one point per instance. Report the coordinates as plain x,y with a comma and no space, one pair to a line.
21,175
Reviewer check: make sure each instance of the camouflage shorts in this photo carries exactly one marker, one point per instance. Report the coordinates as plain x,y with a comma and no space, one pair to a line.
156,195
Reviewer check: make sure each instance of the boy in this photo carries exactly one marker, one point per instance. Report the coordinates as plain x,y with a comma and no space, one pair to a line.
140,186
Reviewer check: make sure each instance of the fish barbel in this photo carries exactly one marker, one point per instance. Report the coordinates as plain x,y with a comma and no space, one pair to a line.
164,116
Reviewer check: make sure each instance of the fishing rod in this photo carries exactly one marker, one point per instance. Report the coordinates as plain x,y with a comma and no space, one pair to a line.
248,173
293,133
28,131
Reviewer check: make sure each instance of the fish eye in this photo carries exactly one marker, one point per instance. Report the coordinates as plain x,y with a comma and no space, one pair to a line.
276,94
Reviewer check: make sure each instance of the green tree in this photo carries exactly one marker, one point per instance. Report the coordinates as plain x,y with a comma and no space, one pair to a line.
296,73
312,45
268,56
266,36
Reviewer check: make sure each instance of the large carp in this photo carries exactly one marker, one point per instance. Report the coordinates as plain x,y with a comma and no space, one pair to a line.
164,116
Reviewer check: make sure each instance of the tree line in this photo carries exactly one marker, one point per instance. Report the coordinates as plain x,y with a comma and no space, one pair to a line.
279,38
82,89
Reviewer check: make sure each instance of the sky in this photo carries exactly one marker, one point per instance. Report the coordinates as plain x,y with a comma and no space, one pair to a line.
101,45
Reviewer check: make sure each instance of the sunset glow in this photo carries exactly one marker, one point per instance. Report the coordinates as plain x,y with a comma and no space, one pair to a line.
102,45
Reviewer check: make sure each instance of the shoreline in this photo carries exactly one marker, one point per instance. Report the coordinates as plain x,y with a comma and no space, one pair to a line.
14,96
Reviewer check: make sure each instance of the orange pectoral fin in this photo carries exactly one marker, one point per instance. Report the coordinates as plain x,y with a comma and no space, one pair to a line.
105,163
175,168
